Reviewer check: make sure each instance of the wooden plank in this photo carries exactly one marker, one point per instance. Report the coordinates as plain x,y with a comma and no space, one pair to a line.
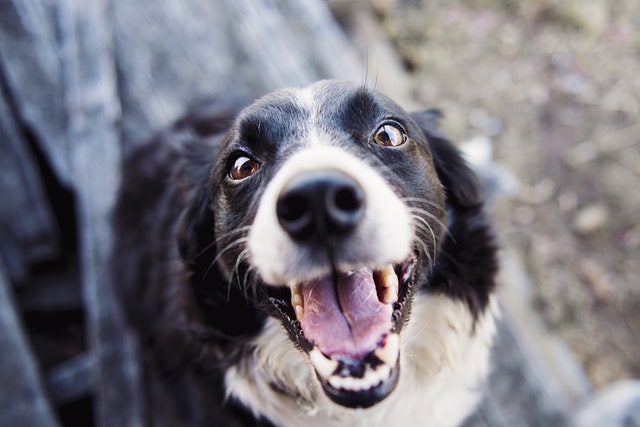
31,71
55,291
71,380
91,102
23,401
28,233
171,53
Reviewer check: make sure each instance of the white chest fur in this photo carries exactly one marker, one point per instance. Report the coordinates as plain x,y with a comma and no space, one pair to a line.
444,363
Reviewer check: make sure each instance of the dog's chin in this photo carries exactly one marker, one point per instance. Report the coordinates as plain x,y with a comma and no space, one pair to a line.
352,392
348,324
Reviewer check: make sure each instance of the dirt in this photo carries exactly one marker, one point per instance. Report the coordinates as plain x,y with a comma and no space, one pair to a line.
556,87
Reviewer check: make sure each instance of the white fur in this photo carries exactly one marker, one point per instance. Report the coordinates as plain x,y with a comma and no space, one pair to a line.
384,235
443,366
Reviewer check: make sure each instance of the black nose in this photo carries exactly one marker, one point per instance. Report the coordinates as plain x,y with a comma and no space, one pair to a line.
320,205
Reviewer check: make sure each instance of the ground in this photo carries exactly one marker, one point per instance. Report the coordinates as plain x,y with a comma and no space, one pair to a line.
556,87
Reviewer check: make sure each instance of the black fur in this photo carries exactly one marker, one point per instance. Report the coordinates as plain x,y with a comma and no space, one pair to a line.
467,263
176,205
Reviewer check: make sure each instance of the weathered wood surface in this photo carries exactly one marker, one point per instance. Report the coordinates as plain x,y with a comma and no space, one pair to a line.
219,48
27,227
80,83
23,401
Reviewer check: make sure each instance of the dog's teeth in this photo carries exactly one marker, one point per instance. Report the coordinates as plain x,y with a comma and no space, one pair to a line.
389,296
388,276
323,365
371,378
388,282
390,351
296,301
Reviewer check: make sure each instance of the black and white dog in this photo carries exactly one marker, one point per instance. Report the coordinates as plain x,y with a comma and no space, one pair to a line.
321,260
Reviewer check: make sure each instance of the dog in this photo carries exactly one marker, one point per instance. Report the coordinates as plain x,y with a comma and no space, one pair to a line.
319,258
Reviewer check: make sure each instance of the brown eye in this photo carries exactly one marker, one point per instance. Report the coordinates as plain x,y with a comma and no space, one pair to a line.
390,135
243,168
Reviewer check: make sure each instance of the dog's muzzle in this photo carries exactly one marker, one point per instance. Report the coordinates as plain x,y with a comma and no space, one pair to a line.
320,207
334,245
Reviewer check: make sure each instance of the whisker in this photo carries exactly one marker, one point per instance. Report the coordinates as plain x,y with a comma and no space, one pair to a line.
226,236
409,338
425,249
235,272
424,226
227,248
416,210
422,240
230,246
250,269
205,249
427,225
236,268
241,229
420,200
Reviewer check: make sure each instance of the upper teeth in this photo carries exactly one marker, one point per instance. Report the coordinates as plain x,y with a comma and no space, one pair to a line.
388,283
296,301
385,278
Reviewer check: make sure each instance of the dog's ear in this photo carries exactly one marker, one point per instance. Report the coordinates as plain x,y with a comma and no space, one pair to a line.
457,177
195,231
467,260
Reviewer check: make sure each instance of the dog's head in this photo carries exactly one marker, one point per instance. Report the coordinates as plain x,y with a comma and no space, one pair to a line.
328,208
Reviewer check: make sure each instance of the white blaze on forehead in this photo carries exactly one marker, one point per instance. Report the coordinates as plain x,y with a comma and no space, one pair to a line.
306,100
383,236
306,96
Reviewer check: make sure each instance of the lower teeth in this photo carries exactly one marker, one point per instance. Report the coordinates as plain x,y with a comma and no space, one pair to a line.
324,366
327,368
371,378
389,352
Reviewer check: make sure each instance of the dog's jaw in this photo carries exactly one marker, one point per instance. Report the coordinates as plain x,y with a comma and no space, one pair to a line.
361,368
444,366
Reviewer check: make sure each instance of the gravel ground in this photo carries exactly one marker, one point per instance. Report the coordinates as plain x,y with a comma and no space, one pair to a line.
555,85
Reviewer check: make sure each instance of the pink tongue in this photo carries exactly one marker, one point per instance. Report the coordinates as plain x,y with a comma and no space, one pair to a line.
347,319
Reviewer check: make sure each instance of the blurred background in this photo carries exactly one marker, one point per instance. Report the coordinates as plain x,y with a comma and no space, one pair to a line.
543,97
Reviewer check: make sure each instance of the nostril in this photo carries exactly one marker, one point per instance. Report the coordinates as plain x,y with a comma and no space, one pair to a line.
348,199
345,206
295,213
293,208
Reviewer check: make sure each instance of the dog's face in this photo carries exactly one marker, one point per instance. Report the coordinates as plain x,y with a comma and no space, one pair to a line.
328,209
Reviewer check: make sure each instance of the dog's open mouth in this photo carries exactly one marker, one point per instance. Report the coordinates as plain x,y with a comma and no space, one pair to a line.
349,323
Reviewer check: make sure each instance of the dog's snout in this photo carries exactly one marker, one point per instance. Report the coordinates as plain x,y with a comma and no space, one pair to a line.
320,205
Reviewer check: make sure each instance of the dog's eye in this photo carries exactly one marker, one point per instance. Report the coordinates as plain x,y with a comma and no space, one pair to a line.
390,135
243,168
